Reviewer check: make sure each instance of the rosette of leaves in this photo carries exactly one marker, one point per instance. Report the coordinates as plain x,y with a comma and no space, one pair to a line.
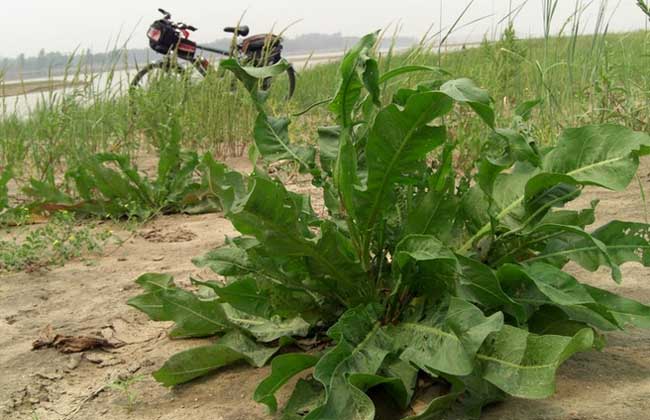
110,185
415,270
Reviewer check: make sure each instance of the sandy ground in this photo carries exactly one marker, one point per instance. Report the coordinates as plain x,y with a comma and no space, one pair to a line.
79,299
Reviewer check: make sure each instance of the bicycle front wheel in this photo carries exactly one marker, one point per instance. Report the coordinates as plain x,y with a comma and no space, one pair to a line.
157,72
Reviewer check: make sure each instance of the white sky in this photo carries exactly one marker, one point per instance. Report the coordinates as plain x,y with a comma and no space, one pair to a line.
62,25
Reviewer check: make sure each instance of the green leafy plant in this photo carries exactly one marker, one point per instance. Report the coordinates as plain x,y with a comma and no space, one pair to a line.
55,243
415,270
125,387
109,185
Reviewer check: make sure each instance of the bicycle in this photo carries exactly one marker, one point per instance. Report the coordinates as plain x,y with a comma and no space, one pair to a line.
171,39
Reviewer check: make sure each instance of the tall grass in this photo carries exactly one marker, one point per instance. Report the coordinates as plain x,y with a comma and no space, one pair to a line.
582,79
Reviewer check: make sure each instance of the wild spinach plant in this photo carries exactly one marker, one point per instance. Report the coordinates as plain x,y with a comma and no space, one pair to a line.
109,185
415,271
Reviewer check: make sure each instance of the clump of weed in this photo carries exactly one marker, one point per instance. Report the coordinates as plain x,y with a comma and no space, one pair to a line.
55,243
124,386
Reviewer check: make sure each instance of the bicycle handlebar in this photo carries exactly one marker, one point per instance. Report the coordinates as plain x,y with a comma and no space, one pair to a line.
177,25
166,13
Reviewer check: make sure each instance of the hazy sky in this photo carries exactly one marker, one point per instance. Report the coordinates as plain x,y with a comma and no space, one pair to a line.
62,25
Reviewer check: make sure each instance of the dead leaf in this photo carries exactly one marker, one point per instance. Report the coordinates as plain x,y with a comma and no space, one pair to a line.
72,344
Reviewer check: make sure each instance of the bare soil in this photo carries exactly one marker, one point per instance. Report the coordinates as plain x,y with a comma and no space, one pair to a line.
82,299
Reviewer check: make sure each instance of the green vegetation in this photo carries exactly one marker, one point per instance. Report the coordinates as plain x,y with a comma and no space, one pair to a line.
441,248
418,268
580,79
54,243
125,387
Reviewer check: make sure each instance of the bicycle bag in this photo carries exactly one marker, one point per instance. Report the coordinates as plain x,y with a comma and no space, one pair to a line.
262,49
186,49
162,37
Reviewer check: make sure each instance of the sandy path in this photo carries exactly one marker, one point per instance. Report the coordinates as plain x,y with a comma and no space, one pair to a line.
82,299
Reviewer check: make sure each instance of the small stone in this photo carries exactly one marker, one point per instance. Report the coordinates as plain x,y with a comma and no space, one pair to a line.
122,259
133,367
159,258
93,358
73,361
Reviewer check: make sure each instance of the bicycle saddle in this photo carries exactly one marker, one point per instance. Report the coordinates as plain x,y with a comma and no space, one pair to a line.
241,31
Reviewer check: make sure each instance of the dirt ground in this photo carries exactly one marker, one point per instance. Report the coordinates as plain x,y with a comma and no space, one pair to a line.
82,299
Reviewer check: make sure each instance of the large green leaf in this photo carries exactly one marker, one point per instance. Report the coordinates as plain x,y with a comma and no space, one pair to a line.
560,287
270,214
272,141
421,261
193,317
362,348
478,283
337,267
328,147
150,303
605,155
283,368
625,311
398,142
227,260
613,244
465,91
252,76
221,183
572,243
307,395
263,329
350,86
243,294
449,343
524,364
197,362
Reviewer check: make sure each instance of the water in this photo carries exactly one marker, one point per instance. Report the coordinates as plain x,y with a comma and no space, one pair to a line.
117,82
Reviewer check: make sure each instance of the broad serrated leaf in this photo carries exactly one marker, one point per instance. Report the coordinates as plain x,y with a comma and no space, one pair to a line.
283,368
227,260
478,283
604,155
447,344
399,140
220,183
438,408
625,311
251,77
270,214
307,395
272,140
193,317
150,303
573,243
200,361
350,85
243,294
266,330
523,364
559,287
465,91
420,261
362,348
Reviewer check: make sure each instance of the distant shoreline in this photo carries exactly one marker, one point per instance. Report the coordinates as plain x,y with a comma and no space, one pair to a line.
19,88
